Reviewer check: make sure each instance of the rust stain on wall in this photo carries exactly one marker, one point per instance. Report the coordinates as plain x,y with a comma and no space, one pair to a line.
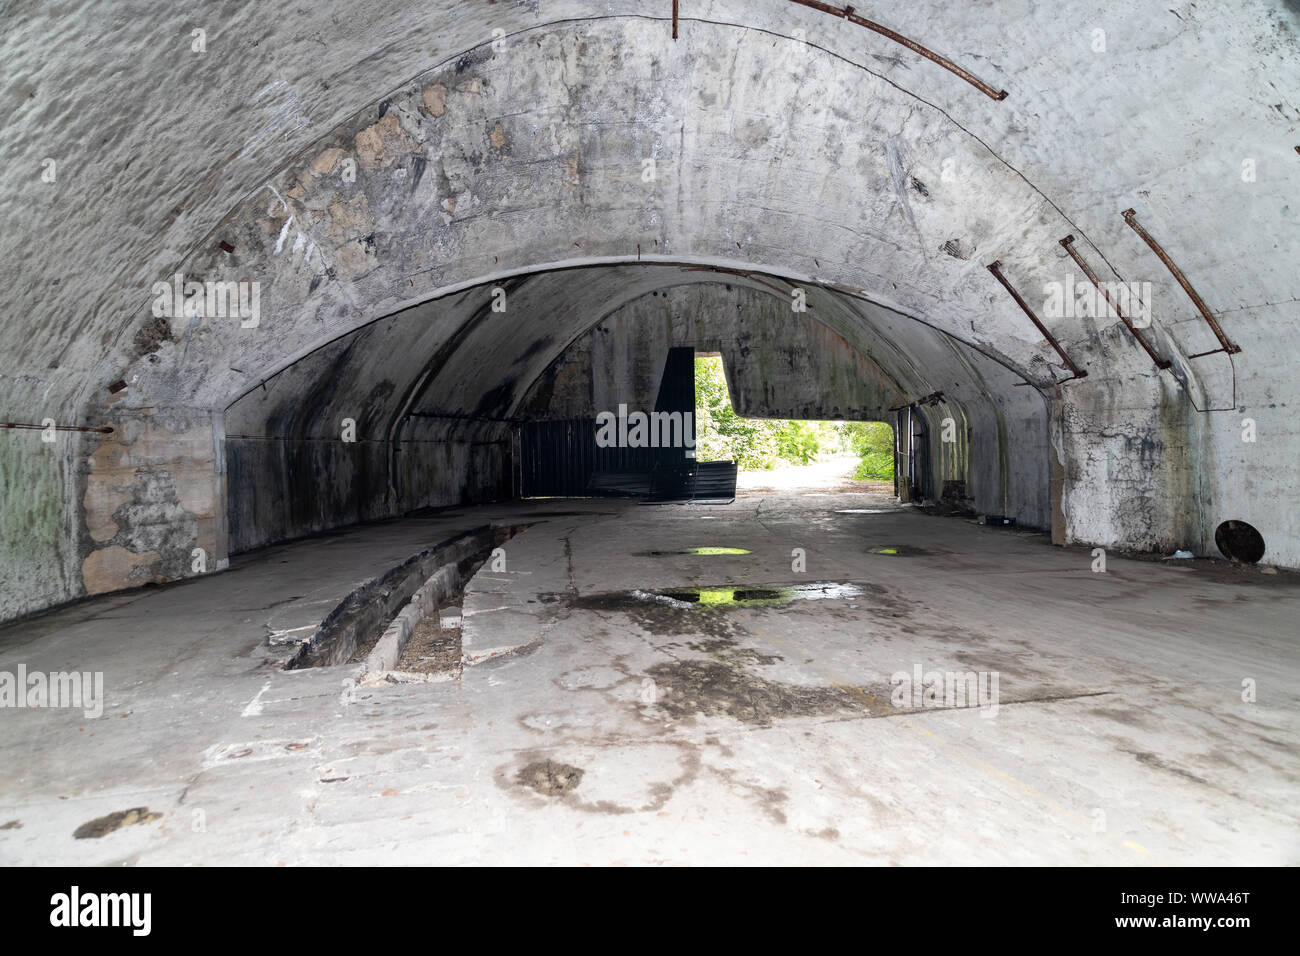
381,144
151,498
110,569
435,100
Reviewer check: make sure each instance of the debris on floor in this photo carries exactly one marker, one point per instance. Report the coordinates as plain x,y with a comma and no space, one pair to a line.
550,778
103,826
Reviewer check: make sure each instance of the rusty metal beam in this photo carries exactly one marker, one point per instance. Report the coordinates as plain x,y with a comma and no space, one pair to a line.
1068,244
102,429
846,13
934,398
674,19
745,275
995,267
1130,217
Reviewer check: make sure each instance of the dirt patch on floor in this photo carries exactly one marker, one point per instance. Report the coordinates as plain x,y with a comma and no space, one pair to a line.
728,650
1217,570
550,778
431,649
724,689
904,551
564,514
103,826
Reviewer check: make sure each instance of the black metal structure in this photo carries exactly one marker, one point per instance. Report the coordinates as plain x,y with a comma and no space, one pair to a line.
563,459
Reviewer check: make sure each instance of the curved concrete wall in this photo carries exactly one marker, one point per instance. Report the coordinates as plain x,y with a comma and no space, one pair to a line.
356,166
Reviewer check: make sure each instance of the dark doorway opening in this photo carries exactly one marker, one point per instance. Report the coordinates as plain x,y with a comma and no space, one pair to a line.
627,452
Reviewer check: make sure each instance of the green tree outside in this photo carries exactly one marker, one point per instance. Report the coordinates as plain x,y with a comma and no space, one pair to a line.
763,443
873,442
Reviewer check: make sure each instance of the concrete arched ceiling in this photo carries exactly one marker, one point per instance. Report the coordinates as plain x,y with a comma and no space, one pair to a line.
456,360
842,157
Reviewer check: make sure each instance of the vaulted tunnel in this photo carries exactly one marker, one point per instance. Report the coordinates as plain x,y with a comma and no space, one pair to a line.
288,306
436,390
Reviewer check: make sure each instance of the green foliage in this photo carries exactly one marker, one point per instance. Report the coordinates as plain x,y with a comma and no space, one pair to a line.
874,443
866,438
876,466
721,434
760,443
798,442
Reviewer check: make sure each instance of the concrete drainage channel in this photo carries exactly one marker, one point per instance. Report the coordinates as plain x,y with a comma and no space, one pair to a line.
375,625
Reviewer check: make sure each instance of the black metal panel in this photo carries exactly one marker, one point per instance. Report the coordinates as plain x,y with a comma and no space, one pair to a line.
677,386
918,468
714,481
673,471
554,458
562,459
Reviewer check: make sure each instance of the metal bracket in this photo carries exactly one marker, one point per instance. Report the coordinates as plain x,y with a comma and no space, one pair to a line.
995,267
1068,244
101,429
1130,217
847,13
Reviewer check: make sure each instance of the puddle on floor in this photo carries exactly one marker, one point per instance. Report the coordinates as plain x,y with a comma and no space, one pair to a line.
705,551
742,596
708,611
865,511
716,597
901,551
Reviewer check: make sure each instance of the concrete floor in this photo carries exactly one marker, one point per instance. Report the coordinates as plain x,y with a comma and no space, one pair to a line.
752,734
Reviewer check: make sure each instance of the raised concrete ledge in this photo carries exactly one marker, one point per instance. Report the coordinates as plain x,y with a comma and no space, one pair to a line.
400,596
502,612
388,649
